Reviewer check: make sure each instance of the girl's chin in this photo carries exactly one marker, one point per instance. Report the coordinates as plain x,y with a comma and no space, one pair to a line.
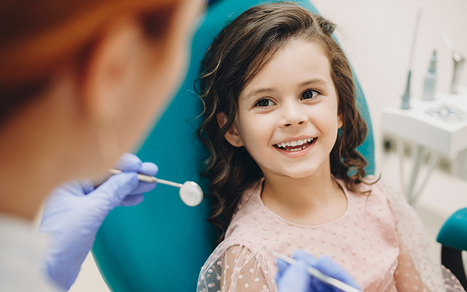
297,174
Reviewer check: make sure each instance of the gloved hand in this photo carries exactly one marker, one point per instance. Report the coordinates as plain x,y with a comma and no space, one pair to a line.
74,212
295,278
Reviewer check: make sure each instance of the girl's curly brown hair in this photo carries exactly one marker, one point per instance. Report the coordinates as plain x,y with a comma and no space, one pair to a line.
241,50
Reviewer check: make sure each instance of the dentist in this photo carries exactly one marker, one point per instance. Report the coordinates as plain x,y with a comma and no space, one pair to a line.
81,81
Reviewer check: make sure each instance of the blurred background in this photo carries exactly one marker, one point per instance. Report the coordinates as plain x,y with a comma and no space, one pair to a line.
377,37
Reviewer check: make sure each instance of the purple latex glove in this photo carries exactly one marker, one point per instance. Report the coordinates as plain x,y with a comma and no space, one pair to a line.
74,212
295,278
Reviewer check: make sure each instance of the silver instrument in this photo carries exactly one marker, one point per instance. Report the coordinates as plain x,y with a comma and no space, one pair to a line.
317,274
190,192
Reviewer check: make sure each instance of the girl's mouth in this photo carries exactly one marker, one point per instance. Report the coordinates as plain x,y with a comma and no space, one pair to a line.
295,146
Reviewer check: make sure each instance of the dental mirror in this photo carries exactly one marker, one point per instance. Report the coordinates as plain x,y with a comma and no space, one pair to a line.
190,192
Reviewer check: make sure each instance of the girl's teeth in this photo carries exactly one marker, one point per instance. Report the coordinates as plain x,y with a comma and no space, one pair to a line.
294,150
296,143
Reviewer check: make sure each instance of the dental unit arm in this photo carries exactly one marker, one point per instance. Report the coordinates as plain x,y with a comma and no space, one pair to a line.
458,63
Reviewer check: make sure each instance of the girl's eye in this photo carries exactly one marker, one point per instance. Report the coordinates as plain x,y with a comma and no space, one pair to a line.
309,94
263,102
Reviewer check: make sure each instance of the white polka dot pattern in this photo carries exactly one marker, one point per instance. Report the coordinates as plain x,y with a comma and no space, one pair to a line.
379,240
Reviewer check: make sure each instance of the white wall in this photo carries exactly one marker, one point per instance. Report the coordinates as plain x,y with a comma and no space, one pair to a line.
377,36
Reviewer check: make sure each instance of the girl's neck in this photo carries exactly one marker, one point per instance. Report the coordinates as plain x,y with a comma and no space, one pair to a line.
310,200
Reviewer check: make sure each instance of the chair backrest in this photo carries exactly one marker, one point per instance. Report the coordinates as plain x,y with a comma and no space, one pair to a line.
161,244
454,231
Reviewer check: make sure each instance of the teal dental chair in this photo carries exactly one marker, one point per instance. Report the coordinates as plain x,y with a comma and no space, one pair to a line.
161,244
453,239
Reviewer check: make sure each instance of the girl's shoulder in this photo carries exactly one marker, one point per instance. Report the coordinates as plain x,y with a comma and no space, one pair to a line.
381,191
386,187
377,185
389,193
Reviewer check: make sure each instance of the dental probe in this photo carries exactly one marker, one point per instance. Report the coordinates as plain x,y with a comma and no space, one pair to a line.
190,192
317,274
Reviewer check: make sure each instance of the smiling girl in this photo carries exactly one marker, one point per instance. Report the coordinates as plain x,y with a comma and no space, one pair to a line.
282,127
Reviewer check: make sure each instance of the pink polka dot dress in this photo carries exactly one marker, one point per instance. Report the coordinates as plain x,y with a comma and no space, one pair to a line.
379,240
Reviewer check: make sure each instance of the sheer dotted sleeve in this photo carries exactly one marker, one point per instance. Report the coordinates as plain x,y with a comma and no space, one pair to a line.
246,274
406,275
235,268
415,271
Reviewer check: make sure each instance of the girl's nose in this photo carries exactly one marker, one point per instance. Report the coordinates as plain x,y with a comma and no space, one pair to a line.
293,116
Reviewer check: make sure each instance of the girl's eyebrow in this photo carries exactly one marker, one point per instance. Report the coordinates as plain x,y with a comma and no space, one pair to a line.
264,90
314,81
257,91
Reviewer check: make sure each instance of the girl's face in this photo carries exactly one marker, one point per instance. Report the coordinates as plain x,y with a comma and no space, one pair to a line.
288,115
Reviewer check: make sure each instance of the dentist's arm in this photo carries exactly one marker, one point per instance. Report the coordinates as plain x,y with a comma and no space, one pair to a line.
295,278
74,212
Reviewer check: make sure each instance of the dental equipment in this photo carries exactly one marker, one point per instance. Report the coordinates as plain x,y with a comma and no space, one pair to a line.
190,192
458,62
429,84
406,95
317,274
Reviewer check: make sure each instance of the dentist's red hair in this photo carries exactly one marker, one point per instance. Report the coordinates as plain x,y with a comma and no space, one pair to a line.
36,36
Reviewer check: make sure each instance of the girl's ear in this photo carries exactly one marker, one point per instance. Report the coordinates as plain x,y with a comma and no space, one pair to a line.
339,121
232,135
